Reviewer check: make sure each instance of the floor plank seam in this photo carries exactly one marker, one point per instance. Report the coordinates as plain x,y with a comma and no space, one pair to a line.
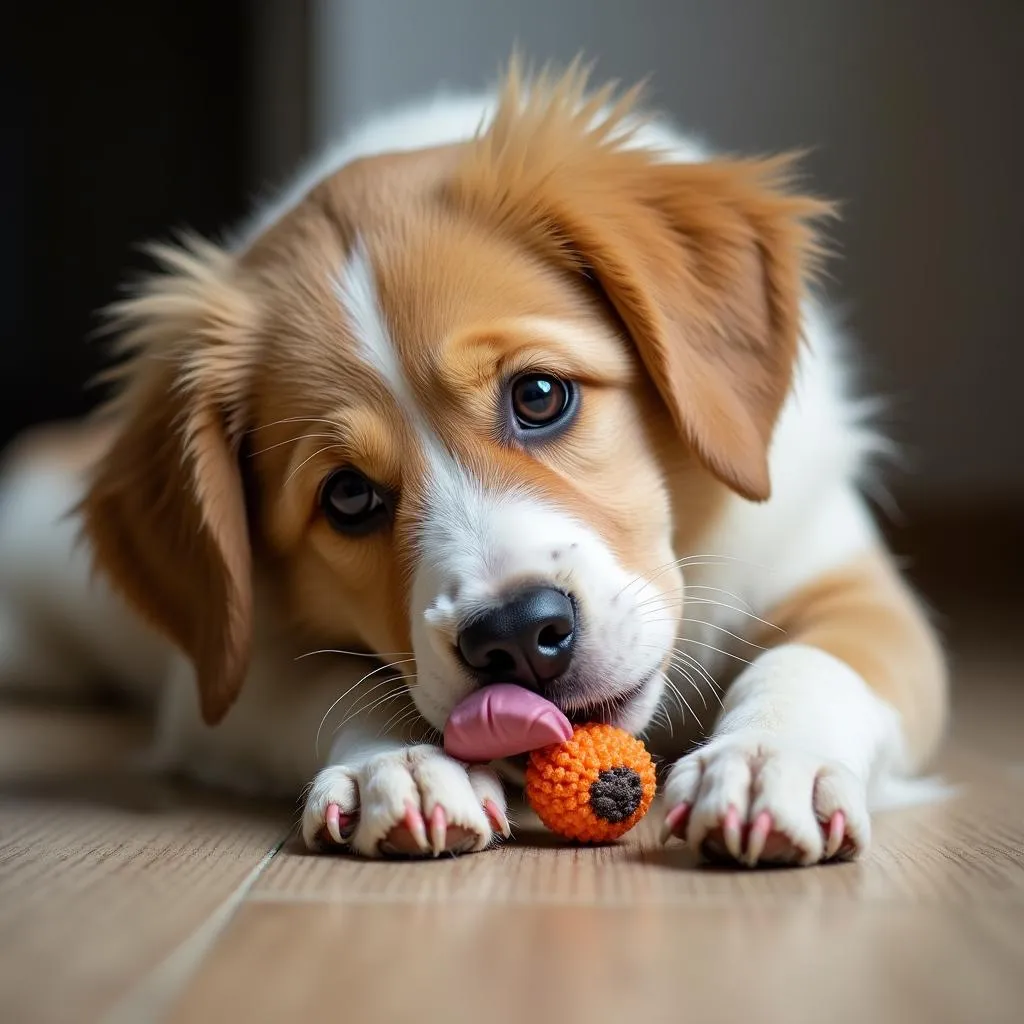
150,998
731,900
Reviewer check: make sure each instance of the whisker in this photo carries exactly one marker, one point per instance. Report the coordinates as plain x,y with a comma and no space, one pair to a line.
669,724
637,579
319,451
682,669
323,721
681,563
373,672
711,625
360,708
673,690
678,565
712,647
661,710
689,562
686,703
718,590
669,614
715,625
692,662
383,702
667,599
675,594
377,702
290,440
400,718
733,608
362,654
292,419
663,602
693,682
431,735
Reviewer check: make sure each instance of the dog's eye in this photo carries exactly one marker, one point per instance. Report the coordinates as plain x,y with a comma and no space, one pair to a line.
351,503
539,400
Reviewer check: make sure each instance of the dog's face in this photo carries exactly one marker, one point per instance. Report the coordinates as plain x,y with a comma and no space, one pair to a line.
467,402
460,450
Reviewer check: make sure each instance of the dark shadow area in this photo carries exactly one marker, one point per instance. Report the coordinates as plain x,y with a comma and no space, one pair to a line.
123,121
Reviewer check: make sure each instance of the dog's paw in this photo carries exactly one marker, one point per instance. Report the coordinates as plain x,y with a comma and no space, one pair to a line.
754,800
413,802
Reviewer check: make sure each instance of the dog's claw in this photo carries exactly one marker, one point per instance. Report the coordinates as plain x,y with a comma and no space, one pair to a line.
836,833
438,830
417,826
332,821
731,833
675,822
497,818
759,832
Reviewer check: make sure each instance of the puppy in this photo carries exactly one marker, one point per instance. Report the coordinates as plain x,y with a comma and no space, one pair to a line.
527,363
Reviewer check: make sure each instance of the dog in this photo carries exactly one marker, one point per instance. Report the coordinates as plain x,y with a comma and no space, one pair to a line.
530,362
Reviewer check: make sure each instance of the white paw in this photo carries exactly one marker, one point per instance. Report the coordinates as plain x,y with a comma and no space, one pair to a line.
405,803
754,799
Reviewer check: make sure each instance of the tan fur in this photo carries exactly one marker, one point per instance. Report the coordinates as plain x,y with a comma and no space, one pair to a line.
866,615
165,511
704,263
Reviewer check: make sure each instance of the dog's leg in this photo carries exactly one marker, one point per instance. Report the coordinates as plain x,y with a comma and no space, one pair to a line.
815,731
384,795
386,790
379,786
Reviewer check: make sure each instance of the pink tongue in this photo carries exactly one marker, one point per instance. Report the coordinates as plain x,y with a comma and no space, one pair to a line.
502,721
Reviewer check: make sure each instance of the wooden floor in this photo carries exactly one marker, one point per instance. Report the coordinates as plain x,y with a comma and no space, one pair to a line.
123,903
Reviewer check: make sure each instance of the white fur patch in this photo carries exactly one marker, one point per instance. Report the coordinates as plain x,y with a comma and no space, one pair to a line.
801,739
357,292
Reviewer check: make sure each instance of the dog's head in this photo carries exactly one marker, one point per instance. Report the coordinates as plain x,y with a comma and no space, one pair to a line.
467,401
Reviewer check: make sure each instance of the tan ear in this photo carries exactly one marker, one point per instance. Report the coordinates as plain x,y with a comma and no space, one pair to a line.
705,263
165,510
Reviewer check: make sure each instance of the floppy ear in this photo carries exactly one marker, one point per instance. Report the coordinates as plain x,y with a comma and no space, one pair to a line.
704,263
165,511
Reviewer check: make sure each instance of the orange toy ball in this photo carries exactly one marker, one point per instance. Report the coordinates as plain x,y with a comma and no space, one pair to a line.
593,787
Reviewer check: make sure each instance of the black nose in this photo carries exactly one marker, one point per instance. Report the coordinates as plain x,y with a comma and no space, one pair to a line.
527,640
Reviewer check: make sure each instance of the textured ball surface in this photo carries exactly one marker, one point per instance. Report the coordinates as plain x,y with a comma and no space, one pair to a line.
594,787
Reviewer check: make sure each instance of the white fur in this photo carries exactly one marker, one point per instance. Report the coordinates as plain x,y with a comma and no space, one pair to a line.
357,293
801,734
58,627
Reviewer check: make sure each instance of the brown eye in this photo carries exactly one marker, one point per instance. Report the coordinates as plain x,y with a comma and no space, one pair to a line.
540,400
351,503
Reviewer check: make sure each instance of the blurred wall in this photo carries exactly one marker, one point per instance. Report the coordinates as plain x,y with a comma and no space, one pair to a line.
914,108
123,121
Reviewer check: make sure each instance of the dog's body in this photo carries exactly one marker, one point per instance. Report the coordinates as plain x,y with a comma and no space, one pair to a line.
335,435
